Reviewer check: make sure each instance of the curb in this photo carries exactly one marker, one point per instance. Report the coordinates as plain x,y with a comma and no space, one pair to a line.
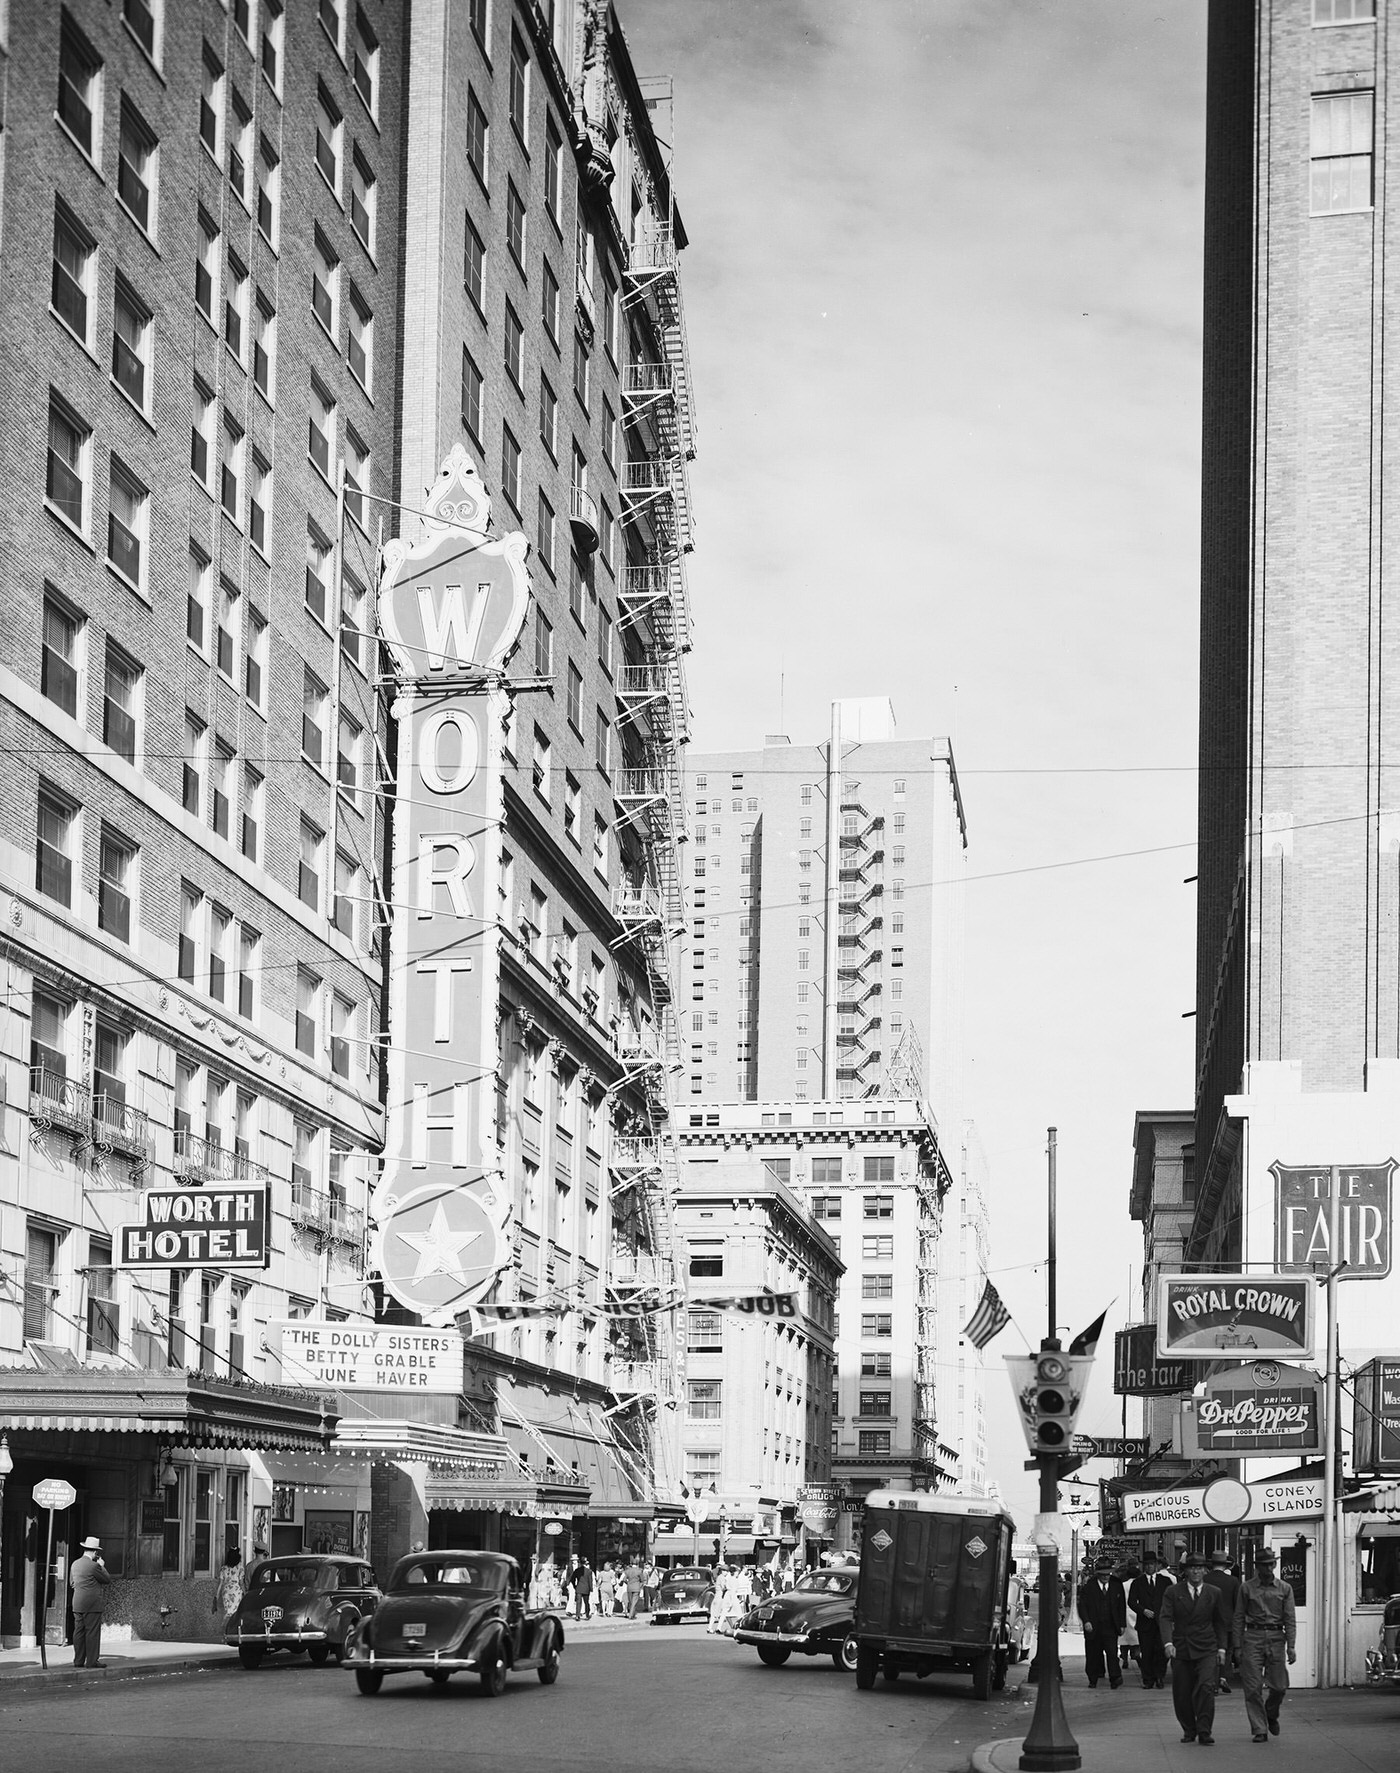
134,1670
983,1756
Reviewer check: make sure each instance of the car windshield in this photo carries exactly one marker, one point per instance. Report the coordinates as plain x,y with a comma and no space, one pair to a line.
448,1571
293,1574
826,1582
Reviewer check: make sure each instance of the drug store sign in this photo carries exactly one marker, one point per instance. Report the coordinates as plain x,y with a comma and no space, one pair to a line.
451,608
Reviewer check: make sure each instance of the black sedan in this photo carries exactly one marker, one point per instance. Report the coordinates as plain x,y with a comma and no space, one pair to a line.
302,1603
815,1619
455,1612
686,1593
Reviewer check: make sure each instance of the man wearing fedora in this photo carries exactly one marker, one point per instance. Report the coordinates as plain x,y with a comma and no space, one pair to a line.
89,1581
1195,1632
1103,1614
1266,1633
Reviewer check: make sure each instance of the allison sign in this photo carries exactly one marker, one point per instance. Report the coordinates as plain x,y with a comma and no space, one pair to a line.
1234,1313
1303,1216
451,608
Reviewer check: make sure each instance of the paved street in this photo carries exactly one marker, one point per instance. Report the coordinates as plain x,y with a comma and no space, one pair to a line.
651,1699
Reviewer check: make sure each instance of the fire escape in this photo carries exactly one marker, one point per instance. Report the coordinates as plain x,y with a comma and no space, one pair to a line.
653,726
859,952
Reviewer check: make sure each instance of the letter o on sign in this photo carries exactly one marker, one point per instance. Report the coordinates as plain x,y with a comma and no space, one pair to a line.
429,736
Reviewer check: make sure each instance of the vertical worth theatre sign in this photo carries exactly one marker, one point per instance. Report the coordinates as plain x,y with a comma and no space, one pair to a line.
452,605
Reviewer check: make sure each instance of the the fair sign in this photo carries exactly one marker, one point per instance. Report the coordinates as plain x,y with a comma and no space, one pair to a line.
1307,1220
370,1357
451,608
1225,1502
1239,1314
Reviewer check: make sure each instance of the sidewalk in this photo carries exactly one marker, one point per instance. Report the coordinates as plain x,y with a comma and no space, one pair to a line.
23,1671
1347,1731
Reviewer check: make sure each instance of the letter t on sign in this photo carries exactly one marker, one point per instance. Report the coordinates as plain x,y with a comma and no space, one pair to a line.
445,969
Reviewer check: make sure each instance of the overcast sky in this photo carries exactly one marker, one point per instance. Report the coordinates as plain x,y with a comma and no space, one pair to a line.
943,292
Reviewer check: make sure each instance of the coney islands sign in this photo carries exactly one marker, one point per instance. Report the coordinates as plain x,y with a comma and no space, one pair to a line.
452,605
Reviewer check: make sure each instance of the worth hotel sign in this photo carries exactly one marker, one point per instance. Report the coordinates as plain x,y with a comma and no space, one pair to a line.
451,609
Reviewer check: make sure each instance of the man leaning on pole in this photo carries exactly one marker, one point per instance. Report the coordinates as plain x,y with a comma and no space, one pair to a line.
1265,1636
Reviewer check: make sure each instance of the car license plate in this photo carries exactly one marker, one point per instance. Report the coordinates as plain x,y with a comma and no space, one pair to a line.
415,1631
271,1615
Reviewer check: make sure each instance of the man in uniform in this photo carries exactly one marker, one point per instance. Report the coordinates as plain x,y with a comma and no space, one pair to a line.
1265,1637
1221,1576
1195,1633
1103,1614
89,1582
1145,1600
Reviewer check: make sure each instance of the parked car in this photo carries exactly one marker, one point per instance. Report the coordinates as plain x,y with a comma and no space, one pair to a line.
456,1612
685,1593
813,1618
308,1603
1383,1662
1017,1631
934,1575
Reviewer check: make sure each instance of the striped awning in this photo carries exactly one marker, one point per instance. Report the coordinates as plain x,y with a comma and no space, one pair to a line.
1386,1501
183,1409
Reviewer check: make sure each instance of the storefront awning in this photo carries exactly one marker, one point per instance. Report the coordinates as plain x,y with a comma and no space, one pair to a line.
517,1495
563,1439
183,1409
464,1451
1383,1501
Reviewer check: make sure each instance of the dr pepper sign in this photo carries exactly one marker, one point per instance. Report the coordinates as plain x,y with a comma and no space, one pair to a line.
451,608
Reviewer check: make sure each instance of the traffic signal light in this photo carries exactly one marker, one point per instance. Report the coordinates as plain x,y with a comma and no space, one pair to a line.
1049,1388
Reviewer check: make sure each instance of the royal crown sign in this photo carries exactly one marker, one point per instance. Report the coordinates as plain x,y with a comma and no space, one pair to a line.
1303,1213
1235,1314
451,609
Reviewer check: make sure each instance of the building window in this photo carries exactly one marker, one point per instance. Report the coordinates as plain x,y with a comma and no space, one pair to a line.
600,845
478,137
318,555
71,286
356,481
701,1469
131,330
347,878
875,1403
471,396
79,75
54,846
235,307
581,370
544,532
308,1011
474,267
703,1400
602,741
360,341
193,765
549,302
575,698
515,348
350,745
313,719
874,1443
329,134
365,66
321,432
540,765
877,1286
61,655
544,644
251,814
211,101
571,808
827,1206
1342,146
116,878
255,659
121,700
876,1323
519,87
221,787
553,169
706,1260
128,515
510,468
879,1169
220,926
877,1248
240,148
515,224
342,1021
67,476
270,57
325,284
706,1333
269,190
206,267
40,1290
231,469
136,168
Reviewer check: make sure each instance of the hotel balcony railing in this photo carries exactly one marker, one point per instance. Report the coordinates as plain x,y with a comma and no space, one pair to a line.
583,515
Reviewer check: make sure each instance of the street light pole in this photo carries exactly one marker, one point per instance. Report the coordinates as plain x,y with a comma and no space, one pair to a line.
1049,1746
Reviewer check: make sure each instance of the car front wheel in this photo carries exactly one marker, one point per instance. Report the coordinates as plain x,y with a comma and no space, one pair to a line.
844,1656
368,1680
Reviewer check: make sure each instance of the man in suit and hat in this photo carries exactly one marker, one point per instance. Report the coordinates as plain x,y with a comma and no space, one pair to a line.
1103,1614
89,1582
1145,1600
1195,1634
1265,1634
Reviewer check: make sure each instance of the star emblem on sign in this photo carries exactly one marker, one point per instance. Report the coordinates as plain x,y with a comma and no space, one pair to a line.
438,1251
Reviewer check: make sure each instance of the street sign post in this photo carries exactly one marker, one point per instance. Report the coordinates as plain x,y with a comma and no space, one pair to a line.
50,1493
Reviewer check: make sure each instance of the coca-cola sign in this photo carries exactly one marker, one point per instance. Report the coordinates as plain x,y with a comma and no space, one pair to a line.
1265,1407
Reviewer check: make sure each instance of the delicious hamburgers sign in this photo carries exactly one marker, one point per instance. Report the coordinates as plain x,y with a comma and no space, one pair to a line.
1240,1314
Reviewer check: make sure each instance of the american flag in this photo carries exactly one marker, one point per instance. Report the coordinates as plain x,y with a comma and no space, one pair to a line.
990,1318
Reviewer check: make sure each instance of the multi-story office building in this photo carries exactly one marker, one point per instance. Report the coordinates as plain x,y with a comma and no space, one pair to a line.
753,1427
1162,1200
543,237
823,1027
215,221
1298,952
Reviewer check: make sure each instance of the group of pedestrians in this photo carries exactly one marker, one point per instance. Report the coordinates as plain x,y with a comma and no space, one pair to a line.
615,1590
1190,1624
739,1588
